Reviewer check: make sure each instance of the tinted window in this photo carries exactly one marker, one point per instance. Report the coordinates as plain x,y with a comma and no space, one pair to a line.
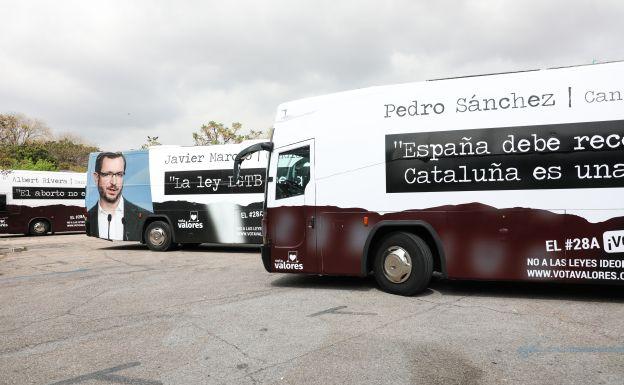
3,206
293,172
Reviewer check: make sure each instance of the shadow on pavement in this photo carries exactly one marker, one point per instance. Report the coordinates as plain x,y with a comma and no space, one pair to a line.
537,290
502,289
212,248
130,246
25,236
542,291
203,248
324,282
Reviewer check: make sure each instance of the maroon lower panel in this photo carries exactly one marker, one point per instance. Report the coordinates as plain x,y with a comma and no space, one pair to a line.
61,217
479,242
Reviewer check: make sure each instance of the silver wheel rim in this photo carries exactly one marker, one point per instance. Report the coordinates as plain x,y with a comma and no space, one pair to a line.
39,227
157,236
397,266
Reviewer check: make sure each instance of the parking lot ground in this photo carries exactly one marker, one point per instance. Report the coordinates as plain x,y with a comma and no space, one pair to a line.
77,310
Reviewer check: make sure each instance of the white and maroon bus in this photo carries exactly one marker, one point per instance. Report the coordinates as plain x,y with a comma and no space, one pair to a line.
167,196
516,176
39,202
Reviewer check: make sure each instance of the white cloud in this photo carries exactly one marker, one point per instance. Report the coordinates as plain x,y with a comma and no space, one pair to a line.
117,71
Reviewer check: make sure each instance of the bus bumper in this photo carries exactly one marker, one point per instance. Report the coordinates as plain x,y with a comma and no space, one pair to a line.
265,250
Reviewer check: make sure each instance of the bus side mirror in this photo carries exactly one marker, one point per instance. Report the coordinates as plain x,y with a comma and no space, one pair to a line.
264,146
237,166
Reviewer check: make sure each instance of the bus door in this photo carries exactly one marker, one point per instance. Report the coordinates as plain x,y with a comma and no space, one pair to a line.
291,211
4,213
13,209
3,203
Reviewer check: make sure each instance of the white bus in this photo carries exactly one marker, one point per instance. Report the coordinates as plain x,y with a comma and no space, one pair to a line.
516,176
170,195
39,202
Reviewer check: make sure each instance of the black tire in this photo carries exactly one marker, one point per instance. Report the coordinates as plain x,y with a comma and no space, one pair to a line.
392,272
39,227
158,236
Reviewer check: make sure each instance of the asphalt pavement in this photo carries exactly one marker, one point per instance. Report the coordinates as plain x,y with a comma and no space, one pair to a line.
78,310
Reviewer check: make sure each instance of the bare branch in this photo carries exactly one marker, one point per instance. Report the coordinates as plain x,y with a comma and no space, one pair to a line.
218,133
17,129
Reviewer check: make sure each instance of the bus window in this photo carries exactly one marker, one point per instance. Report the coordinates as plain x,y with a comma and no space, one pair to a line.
293,172
3,205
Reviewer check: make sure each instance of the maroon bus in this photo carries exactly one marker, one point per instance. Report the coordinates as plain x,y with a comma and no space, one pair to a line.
516,176
41,202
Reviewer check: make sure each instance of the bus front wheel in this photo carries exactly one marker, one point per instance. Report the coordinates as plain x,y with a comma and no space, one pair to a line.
403,264
39,227
158,236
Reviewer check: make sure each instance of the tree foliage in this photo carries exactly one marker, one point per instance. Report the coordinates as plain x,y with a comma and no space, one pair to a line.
18,129
69,155
28,164
218,133
25,144
151,141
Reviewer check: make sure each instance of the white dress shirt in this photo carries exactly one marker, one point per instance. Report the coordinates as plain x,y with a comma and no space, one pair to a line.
116,223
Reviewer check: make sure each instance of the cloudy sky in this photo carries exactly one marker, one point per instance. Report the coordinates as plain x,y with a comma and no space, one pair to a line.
117,71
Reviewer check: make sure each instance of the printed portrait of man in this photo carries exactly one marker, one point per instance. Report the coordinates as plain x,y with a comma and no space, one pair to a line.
114,217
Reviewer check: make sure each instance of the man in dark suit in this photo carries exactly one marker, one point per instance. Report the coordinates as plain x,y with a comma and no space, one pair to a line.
114,217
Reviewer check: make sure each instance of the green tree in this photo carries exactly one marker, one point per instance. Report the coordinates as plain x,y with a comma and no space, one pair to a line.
71,152
6,158
28,164
218,133
69,155
33,151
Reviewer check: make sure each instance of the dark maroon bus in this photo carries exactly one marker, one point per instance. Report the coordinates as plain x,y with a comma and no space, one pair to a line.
41,202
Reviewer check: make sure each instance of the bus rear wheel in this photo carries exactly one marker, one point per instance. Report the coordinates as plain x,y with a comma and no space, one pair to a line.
158,236
403,264
39,227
